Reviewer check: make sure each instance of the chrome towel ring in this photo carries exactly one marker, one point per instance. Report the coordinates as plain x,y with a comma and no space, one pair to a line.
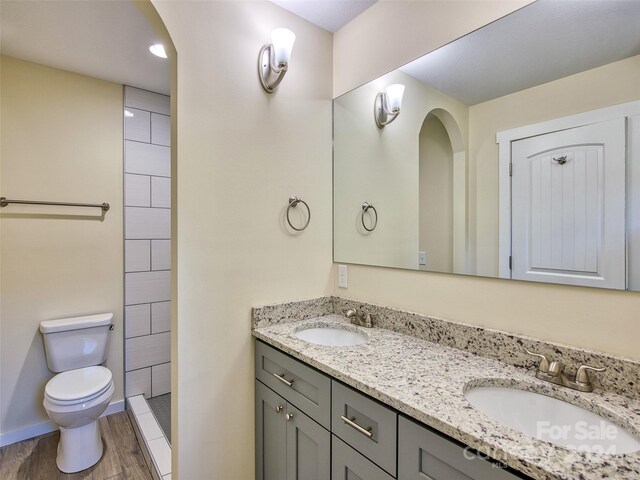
365,208
293,203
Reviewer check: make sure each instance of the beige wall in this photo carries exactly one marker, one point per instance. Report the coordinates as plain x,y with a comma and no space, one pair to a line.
601,87
393,32
601,319
436,196
61,139
240,154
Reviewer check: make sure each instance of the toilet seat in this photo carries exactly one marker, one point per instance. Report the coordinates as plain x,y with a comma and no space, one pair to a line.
78,386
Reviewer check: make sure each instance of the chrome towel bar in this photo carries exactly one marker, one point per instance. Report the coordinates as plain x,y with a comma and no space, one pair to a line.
5,202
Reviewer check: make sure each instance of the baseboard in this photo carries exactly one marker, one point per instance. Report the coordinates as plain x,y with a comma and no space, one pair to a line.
48,427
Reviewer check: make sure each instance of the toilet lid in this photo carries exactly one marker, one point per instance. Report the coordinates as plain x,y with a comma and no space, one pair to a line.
78,384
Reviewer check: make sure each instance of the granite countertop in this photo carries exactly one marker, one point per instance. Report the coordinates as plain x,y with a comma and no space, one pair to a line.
427,381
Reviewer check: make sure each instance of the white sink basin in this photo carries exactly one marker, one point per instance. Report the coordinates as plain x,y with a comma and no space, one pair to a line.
332,337
552,420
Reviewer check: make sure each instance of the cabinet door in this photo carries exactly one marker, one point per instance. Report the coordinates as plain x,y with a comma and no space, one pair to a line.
348,464
271,435
425,455
308,448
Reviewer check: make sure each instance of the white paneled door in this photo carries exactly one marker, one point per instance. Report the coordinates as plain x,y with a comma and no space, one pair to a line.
568,206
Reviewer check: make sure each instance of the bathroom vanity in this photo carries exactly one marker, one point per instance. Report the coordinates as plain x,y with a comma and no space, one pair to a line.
338,432
395,407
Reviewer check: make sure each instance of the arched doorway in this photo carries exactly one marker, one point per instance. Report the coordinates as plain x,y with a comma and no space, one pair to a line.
443,194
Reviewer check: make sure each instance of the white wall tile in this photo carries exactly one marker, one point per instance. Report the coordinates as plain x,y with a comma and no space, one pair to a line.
161,192
161,453
147,223
137,320
146,100
138,404
160,317
138,382
149,426
137,125
148,350
160,129
137,190
161,254
147,287
147,159
160,379
137,255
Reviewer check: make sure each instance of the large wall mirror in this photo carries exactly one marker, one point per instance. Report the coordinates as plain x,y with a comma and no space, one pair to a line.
512,152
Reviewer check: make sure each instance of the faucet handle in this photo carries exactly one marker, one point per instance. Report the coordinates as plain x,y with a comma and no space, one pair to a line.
350,312
556,368
582,375
544,361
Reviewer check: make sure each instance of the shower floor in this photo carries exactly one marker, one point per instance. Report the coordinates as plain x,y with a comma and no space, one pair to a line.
161,408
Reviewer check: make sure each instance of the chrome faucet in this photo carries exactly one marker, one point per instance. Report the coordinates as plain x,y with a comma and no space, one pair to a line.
362,320
553,371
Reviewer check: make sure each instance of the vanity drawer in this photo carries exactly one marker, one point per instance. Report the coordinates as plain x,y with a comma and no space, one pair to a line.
424,454
299,384
347,464
366,425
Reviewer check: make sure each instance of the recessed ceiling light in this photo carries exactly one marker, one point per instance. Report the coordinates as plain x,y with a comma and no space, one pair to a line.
158,50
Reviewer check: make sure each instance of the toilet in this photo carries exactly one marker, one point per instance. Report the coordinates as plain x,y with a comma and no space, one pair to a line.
81,391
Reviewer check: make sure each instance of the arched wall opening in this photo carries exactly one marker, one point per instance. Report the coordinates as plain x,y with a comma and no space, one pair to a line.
443,193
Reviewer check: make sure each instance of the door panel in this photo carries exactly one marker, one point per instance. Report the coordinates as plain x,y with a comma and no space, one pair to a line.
568,206
271,434
308,448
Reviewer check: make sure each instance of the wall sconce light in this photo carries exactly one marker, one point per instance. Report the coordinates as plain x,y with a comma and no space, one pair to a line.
386,107
273,61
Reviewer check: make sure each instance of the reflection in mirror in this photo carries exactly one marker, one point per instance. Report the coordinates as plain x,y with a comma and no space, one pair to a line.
515,155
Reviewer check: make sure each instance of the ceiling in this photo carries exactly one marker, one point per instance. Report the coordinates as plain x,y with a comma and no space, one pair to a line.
328,14
110,39
103,39
539,43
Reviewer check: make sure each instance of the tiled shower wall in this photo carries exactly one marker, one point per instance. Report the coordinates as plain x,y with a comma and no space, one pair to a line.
147,199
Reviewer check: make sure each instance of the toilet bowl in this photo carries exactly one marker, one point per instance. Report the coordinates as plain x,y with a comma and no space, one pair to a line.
74,400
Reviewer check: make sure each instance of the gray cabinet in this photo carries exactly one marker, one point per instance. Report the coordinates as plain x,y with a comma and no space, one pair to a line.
348,464
311,427
426,455
289,444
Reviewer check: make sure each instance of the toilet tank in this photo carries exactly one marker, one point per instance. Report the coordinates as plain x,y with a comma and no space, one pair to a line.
78,342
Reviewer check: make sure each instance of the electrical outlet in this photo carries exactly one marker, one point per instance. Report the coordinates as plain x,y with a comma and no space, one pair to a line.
422,258
342,276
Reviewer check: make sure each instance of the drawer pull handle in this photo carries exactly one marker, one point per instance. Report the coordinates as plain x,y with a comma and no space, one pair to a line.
351,423
288,383
289,416
279,408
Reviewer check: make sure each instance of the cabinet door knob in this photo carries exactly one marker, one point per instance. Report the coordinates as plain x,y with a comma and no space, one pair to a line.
279,408
289,416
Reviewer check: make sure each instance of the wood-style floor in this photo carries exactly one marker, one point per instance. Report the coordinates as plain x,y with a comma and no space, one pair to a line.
35,459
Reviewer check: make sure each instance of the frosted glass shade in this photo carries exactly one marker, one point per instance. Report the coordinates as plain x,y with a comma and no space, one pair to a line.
282,40
394,96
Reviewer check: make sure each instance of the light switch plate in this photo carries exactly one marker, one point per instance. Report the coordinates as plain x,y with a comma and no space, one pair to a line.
342,276
422,258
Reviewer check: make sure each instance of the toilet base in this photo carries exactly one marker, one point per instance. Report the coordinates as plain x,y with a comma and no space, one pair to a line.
79,448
